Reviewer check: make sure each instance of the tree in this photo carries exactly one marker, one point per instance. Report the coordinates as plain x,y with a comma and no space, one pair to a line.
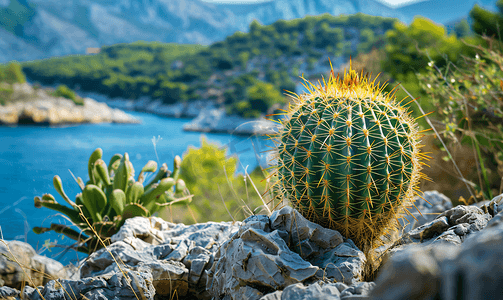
173,92
367,38
243,58
486,22
404,44
263,95
13,73
462,28
254,26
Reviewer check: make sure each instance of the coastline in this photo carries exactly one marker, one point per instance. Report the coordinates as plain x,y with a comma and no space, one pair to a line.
36,107
206,115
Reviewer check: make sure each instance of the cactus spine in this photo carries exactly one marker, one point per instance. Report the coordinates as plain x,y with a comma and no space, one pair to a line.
348,157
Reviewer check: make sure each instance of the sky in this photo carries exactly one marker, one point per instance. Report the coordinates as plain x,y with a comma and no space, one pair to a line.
391,2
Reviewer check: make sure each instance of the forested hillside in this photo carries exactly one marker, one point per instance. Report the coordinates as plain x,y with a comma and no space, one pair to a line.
256,66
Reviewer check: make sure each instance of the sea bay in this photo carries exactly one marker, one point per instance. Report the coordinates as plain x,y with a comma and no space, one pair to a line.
31,155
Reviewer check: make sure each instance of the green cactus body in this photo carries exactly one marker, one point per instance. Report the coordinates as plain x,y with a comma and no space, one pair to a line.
122,175
349,158
110,197
95,201
102,171
134,193
97,154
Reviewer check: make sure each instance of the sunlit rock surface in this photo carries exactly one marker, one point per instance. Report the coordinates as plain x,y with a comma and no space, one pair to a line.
30,106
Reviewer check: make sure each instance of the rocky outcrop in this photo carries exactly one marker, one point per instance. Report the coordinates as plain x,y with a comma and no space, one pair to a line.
125,285
175,254
207,117
426,209
455,256
473,270
161,258
146,104
150,257
284,256
270,253
216,120
259,254
21,265
30,106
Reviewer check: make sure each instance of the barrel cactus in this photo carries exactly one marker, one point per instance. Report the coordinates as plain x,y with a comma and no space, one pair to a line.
348,157
111,196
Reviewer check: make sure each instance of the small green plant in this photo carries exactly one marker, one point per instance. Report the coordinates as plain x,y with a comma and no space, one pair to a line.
5,93
111,196
349,159
66,92
469,102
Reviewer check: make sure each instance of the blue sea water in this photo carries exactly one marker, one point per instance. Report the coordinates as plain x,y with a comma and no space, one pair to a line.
30,156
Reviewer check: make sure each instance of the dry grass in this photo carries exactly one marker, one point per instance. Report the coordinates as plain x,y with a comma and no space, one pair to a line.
70,294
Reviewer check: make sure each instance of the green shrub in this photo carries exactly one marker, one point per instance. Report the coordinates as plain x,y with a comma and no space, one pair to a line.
5,93
404,44
65,92
469,102
244,108
486,22
263,95
12,73
209,175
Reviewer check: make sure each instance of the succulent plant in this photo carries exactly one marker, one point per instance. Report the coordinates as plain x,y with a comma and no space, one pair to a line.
348,157
111,196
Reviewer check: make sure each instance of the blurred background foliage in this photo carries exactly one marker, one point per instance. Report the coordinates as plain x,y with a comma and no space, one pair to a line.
11,73
468,100
65,92
210,175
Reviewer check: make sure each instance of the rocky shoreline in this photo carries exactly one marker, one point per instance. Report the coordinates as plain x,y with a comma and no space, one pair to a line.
36,106
455,255
216,120
206,116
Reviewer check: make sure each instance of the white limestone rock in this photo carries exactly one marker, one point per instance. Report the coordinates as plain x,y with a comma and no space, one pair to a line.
216,120
11,273
37,107
272,253
176,255
473,270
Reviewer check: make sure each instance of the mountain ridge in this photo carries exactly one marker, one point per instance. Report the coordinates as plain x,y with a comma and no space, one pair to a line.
61,27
